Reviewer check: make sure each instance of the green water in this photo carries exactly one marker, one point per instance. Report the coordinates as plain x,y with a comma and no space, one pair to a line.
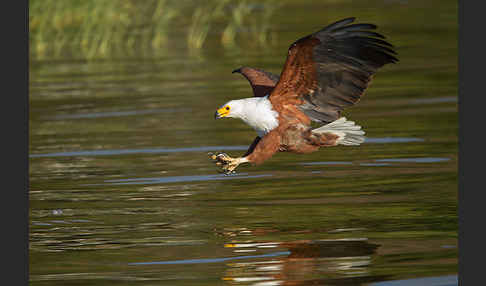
122,191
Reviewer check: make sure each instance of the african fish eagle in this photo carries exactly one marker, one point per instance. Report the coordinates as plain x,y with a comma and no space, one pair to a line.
324,73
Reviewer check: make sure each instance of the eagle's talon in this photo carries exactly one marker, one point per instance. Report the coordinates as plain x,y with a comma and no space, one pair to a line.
227,163
212,156
223,157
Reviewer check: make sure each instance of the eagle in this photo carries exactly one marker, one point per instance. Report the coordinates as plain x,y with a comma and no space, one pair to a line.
324,73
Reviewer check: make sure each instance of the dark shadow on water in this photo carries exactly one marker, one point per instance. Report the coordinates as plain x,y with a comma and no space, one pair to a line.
327,248
333,261
337,261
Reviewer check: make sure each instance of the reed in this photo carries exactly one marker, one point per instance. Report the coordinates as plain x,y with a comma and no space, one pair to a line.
94,29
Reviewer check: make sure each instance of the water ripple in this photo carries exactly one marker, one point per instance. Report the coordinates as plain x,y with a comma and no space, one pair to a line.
194,149
414,160
450,280
139,151
212,260
115,113
178,179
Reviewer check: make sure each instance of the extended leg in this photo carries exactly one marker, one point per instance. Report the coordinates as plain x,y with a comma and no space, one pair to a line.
252,146
260,150
228,164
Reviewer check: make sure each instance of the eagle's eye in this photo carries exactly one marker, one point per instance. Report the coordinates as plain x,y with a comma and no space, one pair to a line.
227,108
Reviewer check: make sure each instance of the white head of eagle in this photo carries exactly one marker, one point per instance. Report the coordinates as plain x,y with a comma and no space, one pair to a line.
254,111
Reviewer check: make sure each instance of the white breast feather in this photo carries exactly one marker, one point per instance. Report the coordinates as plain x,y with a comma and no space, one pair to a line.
259,114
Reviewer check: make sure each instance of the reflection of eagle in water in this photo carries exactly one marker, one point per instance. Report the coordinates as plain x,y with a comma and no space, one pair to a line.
324,73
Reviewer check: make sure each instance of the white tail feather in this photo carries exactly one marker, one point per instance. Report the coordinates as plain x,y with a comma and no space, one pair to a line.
348,132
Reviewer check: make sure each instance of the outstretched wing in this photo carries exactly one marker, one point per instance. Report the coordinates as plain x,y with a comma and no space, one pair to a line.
329,70
261,82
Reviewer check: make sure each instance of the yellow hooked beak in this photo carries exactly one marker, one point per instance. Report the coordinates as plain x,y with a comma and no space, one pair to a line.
222,112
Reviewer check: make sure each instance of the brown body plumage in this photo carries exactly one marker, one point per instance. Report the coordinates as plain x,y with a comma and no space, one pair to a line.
324,73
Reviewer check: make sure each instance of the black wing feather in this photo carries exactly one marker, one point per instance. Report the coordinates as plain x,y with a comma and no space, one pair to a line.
345,60
354,27
338,24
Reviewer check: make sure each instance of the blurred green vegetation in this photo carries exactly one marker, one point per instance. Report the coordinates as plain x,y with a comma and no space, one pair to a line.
115,28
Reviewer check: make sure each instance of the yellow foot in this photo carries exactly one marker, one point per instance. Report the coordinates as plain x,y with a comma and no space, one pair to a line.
227,163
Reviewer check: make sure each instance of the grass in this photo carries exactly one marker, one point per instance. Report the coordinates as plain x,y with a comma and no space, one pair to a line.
98,29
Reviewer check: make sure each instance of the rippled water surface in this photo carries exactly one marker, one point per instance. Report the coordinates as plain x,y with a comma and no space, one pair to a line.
122,191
